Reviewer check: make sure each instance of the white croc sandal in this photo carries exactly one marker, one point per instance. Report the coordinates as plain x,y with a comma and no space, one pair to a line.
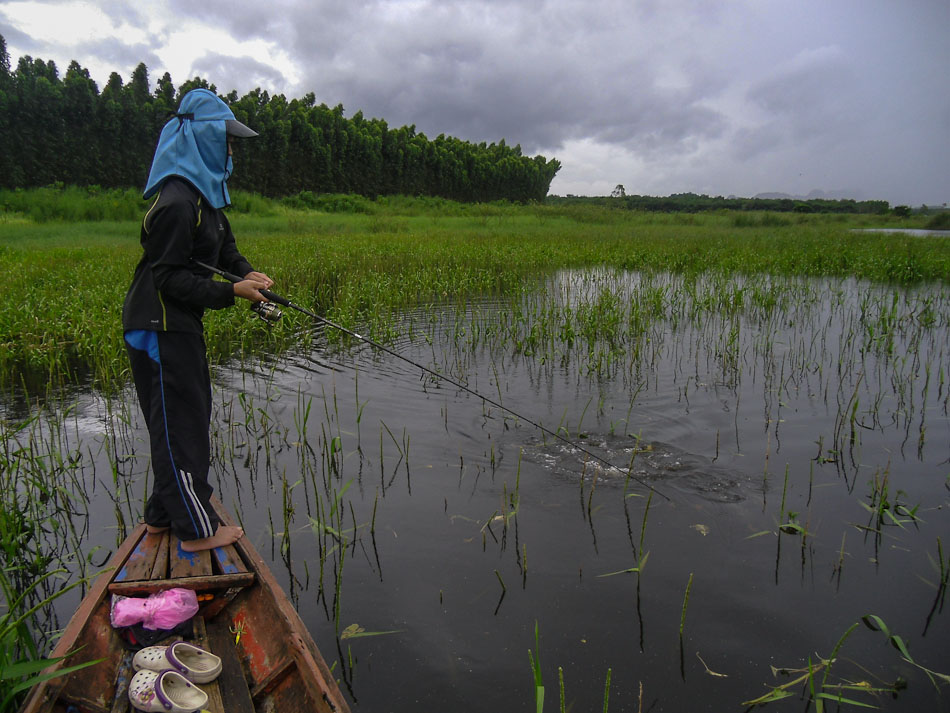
168,692
192,662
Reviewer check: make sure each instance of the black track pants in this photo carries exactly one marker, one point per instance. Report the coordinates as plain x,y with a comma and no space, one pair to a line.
170,370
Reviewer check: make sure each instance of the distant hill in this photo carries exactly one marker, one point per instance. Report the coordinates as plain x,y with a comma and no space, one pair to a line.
816,194
693,203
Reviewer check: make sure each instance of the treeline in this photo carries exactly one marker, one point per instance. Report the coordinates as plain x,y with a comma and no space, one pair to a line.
693,203
63,130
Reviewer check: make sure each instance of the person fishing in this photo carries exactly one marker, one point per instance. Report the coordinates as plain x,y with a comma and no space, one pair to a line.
163,310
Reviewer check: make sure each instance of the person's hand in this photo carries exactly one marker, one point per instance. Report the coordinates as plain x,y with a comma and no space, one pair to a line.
250,289
260,277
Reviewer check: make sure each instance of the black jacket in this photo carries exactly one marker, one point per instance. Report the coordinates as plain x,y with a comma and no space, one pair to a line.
169,292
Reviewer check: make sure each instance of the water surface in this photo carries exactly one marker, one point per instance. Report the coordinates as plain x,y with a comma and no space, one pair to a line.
753,427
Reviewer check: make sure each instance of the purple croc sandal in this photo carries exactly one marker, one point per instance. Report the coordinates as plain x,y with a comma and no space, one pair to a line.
192,662
168,692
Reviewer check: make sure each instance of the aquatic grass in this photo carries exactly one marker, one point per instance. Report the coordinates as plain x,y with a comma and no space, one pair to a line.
822,690
40,492
560,686
534,659
607,690
885,508
942,567
333,540
875,623
73,275
689,586
317,446
355,631
640,555
21,664
839,564
42,526
807,676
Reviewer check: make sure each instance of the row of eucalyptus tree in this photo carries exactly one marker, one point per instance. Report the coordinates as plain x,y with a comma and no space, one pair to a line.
64,130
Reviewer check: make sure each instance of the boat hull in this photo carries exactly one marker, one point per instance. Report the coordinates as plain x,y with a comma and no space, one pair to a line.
271,662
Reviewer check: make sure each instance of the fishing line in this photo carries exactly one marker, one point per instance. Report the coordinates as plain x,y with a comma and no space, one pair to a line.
273,297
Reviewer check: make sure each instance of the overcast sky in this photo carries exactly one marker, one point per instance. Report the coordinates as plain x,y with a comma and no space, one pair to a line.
724,97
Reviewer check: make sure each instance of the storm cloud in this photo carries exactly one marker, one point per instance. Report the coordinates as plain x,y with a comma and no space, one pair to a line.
680,95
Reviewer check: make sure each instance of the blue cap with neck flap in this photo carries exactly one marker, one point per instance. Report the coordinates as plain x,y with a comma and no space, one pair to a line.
194,145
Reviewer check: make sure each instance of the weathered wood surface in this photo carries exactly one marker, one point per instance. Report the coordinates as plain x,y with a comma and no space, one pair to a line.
234,691
187,564
203,583
308,685
215,703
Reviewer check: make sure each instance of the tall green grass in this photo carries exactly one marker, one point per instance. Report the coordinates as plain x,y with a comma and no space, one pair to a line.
74,204
359,262
940,221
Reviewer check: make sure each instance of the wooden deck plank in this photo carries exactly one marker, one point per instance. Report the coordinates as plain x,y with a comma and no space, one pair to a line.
140,563
227,560
209,583
187,564
234,692
123,676
160,566
215,703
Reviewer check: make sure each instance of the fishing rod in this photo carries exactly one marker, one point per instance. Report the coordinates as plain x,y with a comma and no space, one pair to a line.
272,315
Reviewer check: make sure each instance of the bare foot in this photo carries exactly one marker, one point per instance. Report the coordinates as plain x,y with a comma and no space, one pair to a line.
225,535
154,529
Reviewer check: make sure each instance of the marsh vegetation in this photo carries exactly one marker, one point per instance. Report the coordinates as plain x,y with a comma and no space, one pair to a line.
772,396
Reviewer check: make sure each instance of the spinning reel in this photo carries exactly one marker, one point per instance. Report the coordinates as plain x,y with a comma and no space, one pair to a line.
267,311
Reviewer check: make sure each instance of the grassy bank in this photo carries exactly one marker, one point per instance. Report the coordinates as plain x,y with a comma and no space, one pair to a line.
356,261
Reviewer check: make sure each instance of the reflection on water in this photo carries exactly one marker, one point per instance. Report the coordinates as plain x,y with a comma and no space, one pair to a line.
906,231
797,431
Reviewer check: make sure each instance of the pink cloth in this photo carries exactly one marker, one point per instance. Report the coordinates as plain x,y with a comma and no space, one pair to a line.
162,610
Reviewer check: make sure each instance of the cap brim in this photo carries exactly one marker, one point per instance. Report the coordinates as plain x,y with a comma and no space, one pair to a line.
236,128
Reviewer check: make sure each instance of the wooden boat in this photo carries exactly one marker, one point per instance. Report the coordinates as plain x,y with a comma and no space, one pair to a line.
270,662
